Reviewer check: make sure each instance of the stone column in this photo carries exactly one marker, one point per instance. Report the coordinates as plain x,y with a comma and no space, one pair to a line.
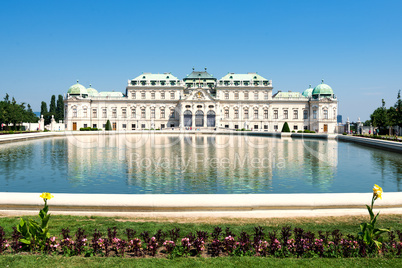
52,123
41,123
359,129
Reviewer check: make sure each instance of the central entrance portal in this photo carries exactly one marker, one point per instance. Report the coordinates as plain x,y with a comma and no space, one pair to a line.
188,118
211,119
199,118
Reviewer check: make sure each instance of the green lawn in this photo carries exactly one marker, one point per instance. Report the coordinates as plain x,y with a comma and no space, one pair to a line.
51,262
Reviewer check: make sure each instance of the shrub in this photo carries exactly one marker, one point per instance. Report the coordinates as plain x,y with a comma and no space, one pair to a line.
89,129
285,127
293,131
300,131
108,125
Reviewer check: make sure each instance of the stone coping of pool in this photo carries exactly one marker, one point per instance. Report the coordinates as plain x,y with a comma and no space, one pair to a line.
376,143
28,136
200,205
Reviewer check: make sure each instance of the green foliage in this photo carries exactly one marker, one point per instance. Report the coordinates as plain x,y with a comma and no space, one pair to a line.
34,235
108,125
89,129
59,109
369,233
285,127
384,117
13,113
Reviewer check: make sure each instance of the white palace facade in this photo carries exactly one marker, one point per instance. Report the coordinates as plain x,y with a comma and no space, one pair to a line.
200,101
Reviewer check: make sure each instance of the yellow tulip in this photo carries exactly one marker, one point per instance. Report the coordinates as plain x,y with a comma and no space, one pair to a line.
46,196
377,192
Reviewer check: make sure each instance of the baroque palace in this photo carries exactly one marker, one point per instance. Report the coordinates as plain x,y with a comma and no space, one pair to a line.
200,101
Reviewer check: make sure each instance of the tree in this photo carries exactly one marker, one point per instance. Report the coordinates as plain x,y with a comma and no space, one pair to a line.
285,127
52,107
45,113
108,125
379,118
59,109
398,108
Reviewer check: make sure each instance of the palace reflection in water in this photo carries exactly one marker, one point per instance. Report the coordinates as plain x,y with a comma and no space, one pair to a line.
206,164
139,164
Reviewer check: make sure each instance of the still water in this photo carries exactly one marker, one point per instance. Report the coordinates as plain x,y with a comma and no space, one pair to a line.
195,164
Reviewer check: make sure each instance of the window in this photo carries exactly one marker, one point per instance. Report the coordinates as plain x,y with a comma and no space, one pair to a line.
236,95
275,114
94,113
162,112
256,95
246,95
199,106
94,126
104,125
245,114
210,106
314,114
236,126
226,95
85,112
132,126
236,113
285,114
133,113
85,125
124,125
295,127
162,95
104,113
172,113
265,127
325,114
226,126
265,114
295,114
142,125
255,126
74,112
114,125
276,127
334,113
114,113
256,114
142,112
133,96
153,95
172,95
305,114
143,95
152,112
226,113
124,113
266,95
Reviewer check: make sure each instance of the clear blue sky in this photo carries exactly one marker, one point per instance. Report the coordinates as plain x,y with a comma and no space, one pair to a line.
355,46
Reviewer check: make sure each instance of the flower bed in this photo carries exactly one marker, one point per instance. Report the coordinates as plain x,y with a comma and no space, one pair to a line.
284,242
30,235
378,137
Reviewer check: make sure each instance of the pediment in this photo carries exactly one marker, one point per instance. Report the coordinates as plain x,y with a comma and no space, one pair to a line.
199,94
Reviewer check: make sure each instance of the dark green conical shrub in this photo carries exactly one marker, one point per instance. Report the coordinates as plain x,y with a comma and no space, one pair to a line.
286,127
108,125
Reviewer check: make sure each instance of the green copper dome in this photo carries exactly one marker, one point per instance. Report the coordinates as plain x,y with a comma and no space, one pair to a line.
77,89
323,89
91,91
308,92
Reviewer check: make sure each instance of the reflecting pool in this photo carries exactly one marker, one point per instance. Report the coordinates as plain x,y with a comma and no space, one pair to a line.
195,164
